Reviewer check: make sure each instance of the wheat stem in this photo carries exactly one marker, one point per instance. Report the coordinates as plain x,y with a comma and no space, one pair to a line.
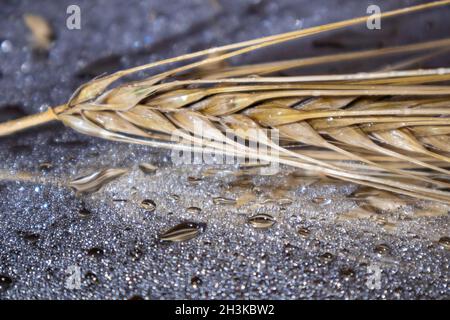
16,125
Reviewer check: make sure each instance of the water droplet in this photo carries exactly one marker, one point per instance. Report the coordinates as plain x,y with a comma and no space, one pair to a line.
183,232
25,67
382,249
149,205
6,46
84,213
321,200
304,232
194,180
136,297
326,257
196,282
147,168
174,197
193,210
31,237
221,201
95,252
445,242
92,278
5,282
347,273
136,252
261,221
96,180
284,201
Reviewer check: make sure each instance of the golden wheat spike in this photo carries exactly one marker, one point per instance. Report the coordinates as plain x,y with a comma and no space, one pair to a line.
387,129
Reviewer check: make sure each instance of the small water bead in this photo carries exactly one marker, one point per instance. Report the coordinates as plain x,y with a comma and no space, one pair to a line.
382,249
31,237
148,168
92,278
196,282
183,232
194,180
223,201
6,46
95,252
136,252
261,221
303,232
326,257
445,242
321,200
347,273
285,201
45,166
193,210
149,205
84,213
5,282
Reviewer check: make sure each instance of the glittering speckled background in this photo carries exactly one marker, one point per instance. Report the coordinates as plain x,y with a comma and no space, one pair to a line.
115,246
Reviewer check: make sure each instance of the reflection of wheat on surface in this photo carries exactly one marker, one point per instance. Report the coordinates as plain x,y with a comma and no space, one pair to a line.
388,129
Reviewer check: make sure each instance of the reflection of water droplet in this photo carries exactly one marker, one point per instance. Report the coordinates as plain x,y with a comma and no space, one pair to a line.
261,221
193,210
196,282
304,232
95,252
326,257
183,232
382,249
445,242
5,282
221,200
149,205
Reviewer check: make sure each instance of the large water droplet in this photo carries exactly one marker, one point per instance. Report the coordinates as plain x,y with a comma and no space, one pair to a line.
261,221
149,205
183,232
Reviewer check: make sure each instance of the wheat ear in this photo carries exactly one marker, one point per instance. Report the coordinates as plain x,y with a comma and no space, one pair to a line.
387,129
